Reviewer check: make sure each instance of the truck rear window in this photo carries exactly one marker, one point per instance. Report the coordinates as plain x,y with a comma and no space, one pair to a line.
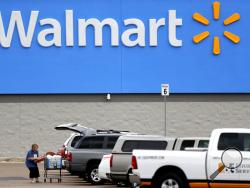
130,145
203,144
187,144
240,141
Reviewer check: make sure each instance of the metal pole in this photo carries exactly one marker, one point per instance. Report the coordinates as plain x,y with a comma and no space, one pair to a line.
165,113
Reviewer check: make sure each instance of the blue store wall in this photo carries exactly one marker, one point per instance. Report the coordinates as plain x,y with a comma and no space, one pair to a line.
191,68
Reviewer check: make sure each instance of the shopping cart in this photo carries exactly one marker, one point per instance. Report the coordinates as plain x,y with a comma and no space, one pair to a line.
53,169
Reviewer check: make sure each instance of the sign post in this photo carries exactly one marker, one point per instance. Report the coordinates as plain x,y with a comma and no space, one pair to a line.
165,93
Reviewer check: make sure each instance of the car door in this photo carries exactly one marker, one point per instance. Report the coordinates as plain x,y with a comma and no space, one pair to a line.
244,169
88,148
214,161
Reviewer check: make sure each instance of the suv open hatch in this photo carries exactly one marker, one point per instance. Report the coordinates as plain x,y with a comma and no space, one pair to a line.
78,128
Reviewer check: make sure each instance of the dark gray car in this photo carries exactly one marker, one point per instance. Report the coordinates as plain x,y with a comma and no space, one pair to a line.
85,157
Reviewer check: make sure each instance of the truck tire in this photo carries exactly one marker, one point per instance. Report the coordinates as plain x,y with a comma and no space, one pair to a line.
170,180
93,176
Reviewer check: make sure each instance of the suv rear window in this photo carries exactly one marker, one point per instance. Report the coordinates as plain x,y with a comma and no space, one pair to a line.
95,142
187,144
130,145
75,140
240,141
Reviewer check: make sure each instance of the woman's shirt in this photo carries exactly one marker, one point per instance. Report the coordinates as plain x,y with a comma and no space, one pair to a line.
31,163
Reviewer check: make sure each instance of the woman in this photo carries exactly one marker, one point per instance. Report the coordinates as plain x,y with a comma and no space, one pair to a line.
32,159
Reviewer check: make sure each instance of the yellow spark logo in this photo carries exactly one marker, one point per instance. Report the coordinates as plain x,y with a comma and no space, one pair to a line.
216,14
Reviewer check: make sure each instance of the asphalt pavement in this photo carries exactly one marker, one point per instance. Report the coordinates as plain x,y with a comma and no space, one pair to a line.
16,175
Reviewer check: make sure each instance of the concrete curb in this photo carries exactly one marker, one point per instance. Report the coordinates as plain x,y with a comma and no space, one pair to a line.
11,160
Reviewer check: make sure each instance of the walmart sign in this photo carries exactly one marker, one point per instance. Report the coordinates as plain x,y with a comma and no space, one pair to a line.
124,46
55,30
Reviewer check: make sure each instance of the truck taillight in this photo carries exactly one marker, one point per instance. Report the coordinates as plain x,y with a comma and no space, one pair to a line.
69,156
134,162
111,161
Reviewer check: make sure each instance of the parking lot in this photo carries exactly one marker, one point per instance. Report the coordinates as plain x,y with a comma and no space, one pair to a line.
16,175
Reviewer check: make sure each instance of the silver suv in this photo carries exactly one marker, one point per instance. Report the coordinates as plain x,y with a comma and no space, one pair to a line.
84,158
120,165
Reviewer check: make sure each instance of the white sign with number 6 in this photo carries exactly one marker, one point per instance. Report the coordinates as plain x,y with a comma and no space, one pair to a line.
165,89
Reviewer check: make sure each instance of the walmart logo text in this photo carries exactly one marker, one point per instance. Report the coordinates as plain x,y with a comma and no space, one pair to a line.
55,30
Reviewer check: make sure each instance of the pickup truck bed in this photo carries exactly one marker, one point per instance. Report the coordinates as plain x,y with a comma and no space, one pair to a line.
190,161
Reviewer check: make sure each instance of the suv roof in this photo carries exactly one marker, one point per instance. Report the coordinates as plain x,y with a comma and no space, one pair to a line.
104,134
143,137
124,138
111,132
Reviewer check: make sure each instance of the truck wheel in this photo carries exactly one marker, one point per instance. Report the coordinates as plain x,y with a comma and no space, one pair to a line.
171,180
93,176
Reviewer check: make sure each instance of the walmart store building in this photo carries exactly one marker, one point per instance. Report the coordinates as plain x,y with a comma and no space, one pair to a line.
60,59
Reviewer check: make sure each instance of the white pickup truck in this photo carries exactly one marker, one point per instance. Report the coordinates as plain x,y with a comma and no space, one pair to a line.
226,163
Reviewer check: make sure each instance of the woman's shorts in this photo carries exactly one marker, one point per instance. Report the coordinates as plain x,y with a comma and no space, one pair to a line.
34,172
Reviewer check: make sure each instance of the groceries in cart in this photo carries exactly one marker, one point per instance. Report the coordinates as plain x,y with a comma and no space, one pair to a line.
52,161
52,167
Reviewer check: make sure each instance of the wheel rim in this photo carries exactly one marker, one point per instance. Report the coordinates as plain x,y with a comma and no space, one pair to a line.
94,175
170,183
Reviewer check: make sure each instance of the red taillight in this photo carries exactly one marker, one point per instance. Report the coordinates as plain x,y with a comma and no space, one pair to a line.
65,153
134,162
61,152
111,161
69,156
